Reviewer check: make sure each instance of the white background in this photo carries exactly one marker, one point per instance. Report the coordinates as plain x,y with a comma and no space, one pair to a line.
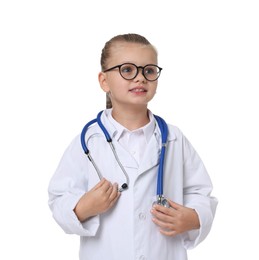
49,61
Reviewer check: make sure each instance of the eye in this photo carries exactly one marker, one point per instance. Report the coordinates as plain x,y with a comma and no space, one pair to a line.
127,68
150,70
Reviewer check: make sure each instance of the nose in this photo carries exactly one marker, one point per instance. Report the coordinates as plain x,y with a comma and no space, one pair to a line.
140,74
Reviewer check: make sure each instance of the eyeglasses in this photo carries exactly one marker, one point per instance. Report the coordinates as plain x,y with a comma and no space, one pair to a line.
130,71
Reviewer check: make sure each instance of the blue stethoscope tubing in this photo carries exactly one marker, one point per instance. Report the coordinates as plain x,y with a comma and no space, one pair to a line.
164,134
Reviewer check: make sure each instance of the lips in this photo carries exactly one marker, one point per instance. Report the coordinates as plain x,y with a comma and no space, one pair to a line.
138,90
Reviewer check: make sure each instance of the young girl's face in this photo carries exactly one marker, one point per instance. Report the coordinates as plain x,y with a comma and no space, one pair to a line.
138,91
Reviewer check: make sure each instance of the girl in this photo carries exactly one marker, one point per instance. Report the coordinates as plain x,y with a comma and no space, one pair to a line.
116,222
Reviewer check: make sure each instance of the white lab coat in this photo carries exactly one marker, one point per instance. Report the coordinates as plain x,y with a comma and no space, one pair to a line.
127,231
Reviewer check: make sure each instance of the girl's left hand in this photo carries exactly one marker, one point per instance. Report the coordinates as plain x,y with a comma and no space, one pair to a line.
174,220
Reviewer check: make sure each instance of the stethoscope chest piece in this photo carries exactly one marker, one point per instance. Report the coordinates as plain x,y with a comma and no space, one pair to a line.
161,200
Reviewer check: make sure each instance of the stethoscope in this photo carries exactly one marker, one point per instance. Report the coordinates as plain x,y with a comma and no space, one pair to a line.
164,133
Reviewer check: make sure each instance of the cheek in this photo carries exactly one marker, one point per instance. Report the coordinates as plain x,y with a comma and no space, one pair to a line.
153,88
118,85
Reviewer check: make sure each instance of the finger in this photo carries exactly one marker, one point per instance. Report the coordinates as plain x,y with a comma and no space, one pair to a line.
164,225
114,196
106,186
174,205
161,216
162,209
113,191
99,184
169,233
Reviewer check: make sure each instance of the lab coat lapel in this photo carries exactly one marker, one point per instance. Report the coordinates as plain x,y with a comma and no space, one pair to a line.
149,160
126,159
151,155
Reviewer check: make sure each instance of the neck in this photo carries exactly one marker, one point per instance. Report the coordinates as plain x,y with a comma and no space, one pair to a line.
131,119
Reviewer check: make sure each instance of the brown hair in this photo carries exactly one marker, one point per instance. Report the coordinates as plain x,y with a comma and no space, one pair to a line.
106,52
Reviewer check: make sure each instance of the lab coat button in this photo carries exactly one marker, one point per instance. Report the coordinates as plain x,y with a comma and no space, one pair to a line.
142,257
142,216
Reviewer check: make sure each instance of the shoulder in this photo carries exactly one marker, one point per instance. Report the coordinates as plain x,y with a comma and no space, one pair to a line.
178,138
174,132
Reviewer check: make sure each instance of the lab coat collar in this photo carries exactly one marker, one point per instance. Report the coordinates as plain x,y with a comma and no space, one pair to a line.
118,130
115,129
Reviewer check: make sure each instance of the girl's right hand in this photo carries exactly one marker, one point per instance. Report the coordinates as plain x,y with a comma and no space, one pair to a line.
99,199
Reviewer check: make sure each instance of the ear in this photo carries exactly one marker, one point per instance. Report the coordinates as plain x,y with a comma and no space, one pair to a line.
102,77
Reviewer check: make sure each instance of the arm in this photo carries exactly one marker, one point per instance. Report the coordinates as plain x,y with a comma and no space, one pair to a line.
197,191
73,207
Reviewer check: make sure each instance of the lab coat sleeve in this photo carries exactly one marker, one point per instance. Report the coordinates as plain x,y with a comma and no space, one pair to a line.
66,187
197,188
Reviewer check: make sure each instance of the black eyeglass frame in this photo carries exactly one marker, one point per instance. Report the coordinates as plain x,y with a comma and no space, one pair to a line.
137,67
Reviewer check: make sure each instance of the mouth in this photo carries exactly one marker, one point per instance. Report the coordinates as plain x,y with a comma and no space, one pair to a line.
138,90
